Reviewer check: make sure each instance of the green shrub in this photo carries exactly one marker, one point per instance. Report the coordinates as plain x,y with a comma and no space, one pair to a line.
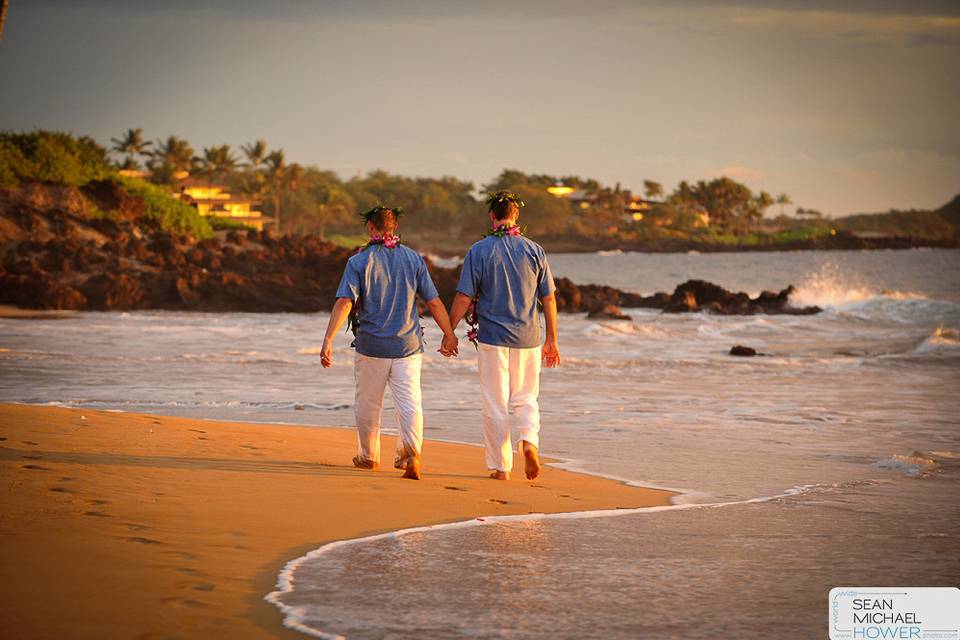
221,224
168,211
799,234
47,156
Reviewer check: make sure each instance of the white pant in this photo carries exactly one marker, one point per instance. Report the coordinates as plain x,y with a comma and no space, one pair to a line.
509,383
372,376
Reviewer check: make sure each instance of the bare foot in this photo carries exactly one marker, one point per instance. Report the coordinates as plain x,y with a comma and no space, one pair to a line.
412,472
363,463
500,475
531,461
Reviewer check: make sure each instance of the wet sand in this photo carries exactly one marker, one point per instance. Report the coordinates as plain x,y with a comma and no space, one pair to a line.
119,525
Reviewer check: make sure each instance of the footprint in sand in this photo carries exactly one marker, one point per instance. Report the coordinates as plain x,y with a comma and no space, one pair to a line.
455,488
249,446
498,501
2,439
204,586
188,571
140,540
135,527
30,442
32,456
187,602
66,479
97,503
202,438
60,490
183,555
198,430
97,514
35,467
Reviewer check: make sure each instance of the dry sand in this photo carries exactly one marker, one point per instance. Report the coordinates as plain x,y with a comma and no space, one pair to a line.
118,525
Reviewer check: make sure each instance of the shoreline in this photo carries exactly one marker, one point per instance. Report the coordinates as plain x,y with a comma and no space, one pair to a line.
293,620
190,522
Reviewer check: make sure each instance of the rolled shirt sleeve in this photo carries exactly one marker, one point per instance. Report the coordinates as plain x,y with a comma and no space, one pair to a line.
425,286
350,282
545,284
469,275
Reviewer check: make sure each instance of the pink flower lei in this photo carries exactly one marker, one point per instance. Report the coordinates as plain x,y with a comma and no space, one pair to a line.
471,319
501,230
388,240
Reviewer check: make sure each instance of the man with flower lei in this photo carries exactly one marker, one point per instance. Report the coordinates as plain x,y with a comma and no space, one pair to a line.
505,275
381,282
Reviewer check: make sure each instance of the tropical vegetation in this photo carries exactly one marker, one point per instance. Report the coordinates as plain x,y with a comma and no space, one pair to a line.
446,213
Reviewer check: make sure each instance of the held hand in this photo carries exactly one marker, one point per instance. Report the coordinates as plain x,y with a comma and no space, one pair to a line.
551,354
326,355
448,346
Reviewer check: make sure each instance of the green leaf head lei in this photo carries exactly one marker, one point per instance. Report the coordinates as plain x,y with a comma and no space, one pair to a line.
501,197
397,211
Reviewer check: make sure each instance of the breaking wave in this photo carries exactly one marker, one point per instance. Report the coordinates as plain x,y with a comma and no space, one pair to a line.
831,287
942,340
920,464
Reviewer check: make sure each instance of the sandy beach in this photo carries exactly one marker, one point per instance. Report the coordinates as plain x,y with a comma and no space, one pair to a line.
119,525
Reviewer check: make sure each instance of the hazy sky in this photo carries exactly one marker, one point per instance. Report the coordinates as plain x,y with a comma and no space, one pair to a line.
847,106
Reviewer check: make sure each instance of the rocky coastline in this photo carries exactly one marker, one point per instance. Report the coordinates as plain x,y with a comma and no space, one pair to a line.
55,255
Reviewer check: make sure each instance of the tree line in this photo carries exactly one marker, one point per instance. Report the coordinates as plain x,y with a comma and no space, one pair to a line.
313,200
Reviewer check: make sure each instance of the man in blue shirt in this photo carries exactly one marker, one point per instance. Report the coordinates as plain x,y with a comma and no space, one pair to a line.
505,275
380,285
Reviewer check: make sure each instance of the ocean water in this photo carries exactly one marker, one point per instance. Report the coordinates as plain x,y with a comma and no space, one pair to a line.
834,458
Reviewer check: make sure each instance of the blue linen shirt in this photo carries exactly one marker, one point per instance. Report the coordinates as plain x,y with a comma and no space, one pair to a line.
508,274
386,282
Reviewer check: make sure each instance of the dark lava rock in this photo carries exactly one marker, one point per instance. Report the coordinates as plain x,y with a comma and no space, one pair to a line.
39,291
113,290
129,263
234,237
111,196
699,295
740,350
608,312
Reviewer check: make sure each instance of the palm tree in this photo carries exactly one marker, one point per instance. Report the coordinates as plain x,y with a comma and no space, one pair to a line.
276,168
256,153
293,176
132,144
217,161
783,199
652,189
763,202
170,157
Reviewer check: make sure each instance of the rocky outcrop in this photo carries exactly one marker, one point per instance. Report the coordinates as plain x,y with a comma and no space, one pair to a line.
691,296
54,255
699,295
608,312
742,351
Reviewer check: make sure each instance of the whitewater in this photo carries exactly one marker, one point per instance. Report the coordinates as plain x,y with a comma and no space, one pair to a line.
834,455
